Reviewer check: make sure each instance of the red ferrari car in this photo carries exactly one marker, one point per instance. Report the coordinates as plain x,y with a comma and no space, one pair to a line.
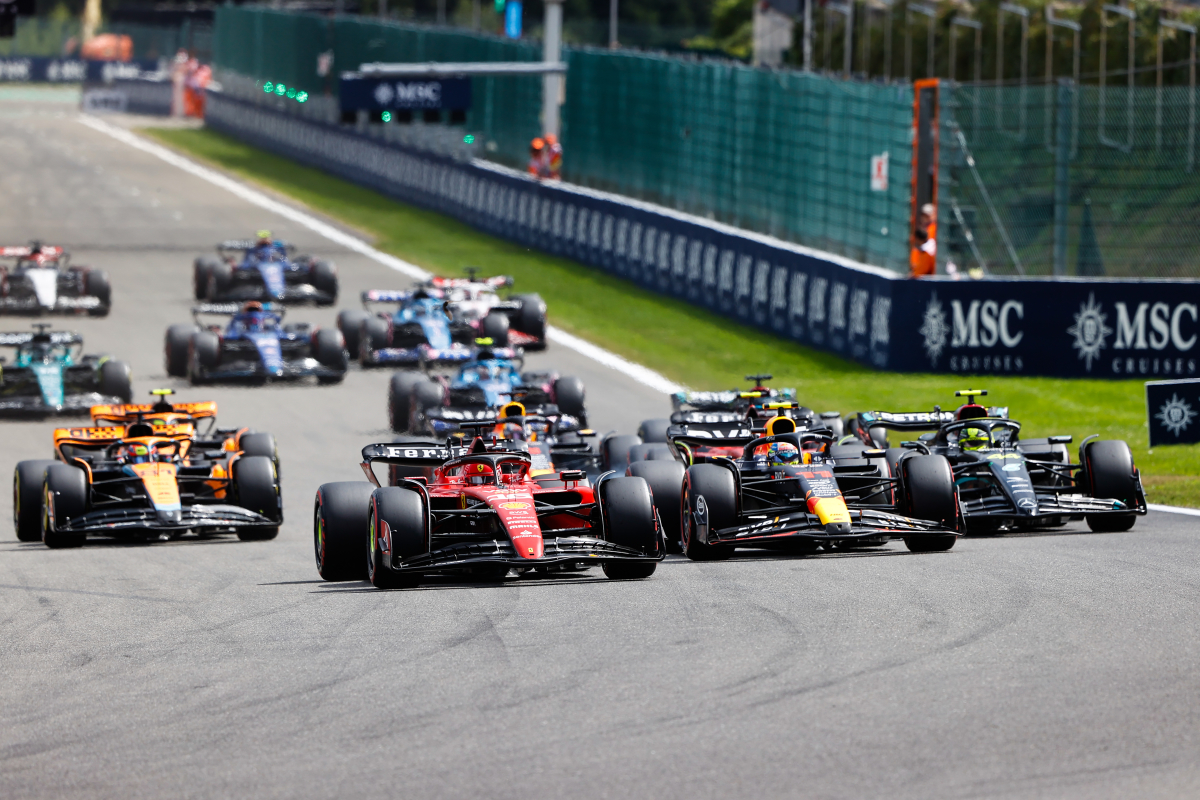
477,511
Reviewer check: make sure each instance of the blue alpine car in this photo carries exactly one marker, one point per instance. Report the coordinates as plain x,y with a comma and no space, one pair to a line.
421,330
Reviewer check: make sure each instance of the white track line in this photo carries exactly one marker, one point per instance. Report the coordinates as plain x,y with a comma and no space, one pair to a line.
637,372
1191,512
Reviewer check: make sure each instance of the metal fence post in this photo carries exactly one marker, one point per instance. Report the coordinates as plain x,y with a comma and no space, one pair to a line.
1062,170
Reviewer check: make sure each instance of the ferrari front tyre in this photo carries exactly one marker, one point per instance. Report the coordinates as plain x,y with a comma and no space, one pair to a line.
220,278
614,452
340,518
204,353
654,431
349,322
709,498
324,279
665,479
400,399
175,349
201,267
374,334
1110,474
116,380
927,486
628,510
95,284
330,352
397,522
570,396
257,490
64,497
495,327
28,478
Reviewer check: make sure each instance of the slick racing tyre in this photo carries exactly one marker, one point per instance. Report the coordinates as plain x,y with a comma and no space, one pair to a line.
95,284
204,354
570,397
629,522
400,399
28,478
324,279
257,490
927,485
1109,473
495,327
350,322
650,452
220,278
425,395
116,380
260,444
397,522
64,497
531,318
340,519
708,492
654,431
330,352
175,349
665,479
374,334
614,452
201,268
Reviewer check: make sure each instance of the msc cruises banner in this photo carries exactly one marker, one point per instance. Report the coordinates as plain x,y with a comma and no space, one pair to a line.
1071,328
40,69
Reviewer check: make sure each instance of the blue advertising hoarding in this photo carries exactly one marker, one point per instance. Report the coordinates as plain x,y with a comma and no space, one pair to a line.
392,94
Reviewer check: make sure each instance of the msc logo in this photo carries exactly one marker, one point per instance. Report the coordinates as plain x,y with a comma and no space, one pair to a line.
976,324
1148,327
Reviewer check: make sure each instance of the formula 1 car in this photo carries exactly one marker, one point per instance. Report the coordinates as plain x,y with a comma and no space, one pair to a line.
263,269
49,374
789,491
42,282
1009,483
142,481
421,330
255,345
435,404
474,300
480,513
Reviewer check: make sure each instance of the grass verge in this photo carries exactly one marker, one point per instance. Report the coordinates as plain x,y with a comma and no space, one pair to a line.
688,344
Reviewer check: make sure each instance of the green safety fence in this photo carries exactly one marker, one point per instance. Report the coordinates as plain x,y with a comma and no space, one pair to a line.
40,36
1071,181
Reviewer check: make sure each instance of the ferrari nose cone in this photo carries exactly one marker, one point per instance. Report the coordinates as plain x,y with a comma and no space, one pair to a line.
171,516
837,528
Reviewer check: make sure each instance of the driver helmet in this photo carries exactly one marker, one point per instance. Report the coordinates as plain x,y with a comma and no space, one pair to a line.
974,439
250,318
778,454
479,474
264,238
512,431
138,453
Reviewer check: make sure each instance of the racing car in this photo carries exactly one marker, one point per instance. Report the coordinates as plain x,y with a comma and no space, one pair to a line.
41,281
1010,483
255,345
480,513
142,481
788,490
421,330
49,374
425,403
263,269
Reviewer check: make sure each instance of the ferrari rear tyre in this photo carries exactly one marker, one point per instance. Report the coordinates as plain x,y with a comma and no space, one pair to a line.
570,397
201,268
116,380
495,327
400,399
330,352
340,517
708,492
175,349
324,279
628,508
374,334
1109,473
257,490
614,452
654,431
96,284
350,322
397,521
28,478
64,497
665,479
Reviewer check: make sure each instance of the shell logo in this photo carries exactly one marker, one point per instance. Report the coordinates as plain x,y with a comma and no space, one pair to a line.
514,506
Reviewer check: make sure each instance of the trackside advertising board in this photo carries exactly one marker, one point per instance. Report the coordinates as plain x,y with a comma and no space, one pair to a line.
40,69
1172,408
1069,328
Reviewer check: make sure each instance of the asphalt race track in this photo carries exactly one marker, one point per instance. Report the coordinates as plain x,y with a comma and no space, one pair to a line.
1057,665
